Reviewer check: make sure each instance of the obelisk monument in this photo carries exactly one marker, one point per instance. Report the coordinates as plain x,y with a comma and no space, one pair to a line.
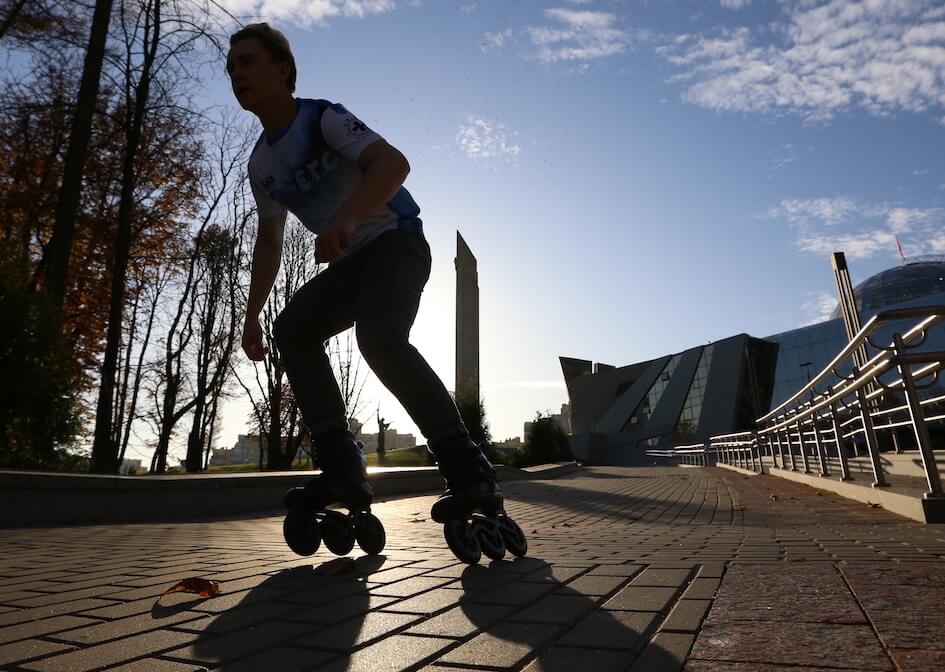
467,318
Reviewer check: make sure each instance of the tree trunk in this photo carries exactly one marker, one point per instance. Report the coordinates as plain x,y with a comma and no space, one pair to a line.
137,381
104,449
275,452
67,207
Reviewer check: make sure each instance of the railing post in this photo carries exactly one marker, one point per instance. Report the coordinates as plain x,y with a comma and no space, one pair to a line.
790,447
800,438
872,445
821,454
918,423
838,435
756,448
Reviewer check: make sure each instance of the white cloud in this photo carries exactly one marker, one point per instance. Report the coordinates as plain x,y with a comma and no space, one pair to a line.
861,230
306,13
578,35
735,4
492,41
786,154
819,307
826,57
483,141
829,211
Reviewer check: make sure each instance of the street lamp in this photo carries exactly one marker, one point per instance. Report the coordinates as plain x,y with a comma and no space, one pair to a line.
806,366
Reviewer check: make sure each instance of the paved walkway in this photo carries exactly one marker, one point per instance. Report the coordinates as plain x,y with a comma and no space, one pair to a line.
647,570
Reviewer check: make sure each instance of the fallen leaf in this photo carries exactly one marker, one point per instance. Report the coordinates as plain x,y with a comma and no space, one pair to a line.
336,566
418,520
773,498
875,505
738,508
201,587
819,494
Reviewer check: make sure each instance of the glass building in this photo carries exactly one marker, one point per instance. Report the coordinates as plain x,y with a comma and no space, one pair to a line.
619,412
810,349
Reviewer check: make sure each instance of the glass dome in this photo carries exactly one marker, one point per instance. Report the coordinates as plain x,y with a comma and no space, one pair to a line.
913,280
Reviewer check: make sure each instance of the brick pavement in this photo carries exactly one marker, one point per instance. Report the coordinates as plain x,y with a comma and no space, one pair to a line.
628,569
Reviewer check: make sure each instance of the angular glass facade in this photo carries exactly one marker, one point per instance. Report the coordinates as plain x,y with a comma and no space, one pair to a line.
638,420
815,346
688,421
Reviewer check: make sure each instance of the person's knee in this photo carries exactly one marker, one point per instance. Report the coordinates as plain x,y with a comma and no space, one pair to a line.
378,342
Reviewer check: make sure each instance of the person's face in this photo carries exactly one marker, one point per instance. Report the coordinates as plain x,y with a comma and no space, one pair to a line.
254,76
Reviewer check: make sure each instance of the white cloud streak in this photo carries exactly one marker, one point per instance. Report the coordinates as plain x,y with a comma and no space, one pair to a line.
861,230
577,35
819,308
483,141
825,58
307,13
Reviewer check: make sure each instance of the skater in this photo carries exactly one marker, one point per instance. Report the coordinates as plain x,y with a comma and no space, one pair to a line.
344,183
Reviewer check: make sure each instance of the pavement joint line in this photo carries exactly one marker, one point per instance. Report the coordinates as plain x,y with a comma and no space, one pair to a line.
869,619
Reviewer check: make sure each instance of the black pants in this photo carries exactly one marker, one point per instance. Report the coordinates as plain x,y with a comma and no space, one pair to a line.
377,289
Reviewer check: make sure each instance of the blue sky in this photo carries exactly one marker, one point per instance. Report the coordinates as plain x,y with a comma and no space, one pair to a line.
635,178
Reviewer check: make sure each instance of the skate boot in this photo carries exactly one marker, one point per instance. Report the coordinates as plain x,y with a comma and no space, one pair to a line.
472,508
343,482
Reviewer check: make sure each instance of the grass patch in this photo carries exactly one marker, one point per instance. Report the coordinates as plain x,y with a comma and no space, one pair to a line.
403,457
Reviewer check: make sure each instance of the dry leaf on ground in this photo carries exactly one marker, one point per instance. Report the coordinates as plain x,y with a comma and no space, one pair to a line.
875,505
201,587
773,498
738,508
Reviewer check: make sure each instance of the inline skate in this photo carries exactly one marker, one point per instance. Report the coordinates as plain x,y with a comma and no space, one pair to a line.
343,482
472,507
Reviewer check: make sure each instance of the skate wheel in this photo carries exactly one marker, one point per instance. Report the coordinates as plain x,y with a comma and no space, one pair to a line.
301,532
514,538
461,540
490,538
369,533
337,532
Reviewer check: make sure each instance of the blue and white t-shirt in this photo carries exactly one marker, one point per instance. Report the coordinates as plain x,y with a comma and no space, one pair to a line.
311,167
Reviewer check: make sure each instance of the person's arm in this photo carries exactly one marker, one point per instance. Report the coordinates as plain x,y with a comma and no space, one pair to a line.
384,170
267,255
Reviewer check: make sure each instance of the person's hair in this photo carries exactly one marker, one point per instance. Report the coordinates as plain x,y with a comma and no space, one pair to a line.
274,42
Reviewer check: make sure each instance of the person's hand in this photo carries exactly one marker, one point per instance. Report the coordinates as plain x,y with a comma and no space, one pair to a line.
335,240
253,340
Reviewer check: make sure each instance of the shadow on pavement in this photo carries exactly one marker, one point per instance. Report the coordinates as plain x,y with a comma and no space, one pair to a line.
327,611
569,628
626,506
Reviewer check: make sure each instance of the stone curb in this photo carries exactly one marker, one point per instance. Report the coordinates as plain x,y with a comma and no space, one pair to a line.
740,470
37,498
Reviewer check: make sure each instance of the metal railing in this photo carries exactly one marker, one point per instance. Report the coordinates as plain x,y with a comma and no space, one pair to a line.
693,455
856,404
